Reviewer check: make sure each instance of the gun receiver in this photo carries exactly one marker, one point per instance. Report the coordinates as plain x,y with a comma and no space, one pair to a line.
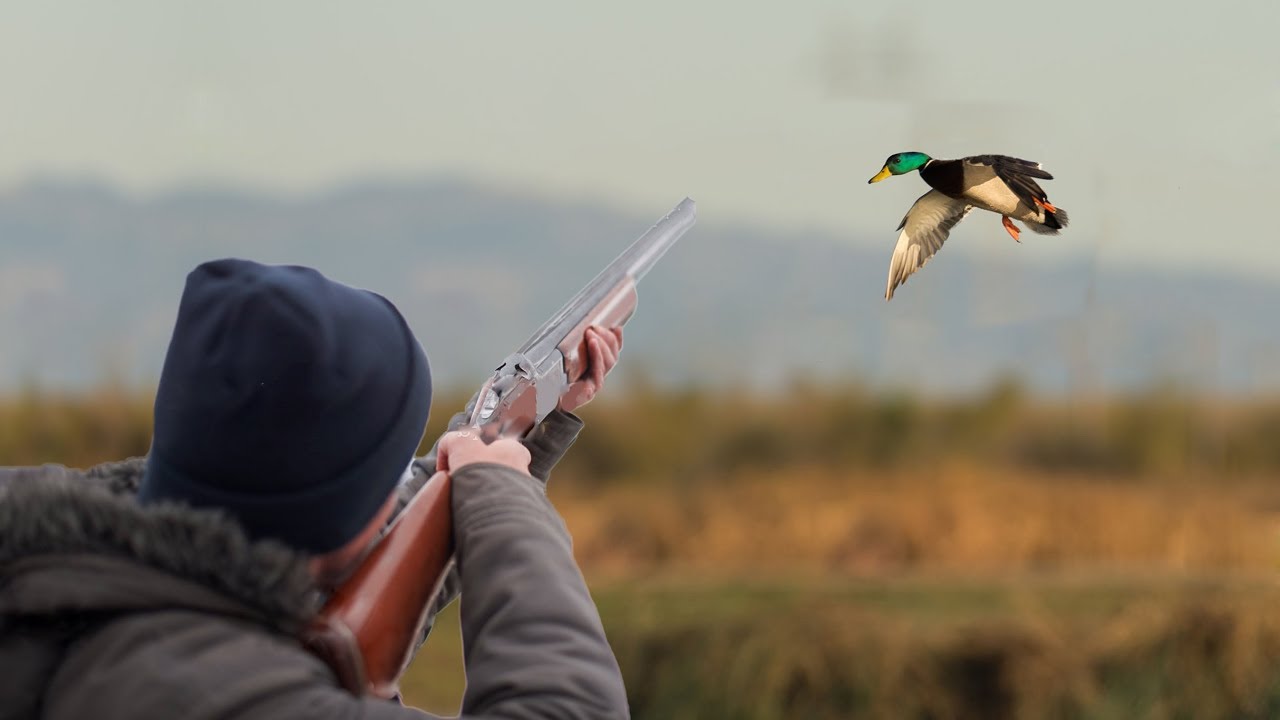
368,630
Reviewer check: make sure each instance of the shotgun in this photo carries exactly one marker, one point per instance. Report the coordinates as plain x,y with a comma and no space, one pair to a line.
368,628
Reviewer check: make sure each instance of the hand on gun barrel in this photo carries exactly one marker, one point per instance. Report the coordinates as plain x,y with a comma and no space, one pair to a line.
603,348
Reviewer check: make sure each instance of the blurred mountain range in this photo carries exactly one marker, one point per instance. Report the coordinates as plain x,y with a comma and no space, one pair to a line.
90,278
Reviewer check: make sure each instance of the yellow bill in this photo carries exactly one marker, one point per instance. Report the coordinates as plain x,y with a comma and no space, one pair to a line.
884,173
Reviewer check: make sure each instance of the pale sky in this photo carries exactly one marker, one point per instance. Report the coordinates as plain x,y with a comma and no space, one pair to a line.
1161,121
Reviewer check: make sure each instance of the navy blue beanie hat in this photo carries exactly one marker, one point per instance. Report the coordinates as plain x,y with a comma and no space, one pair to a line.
290,401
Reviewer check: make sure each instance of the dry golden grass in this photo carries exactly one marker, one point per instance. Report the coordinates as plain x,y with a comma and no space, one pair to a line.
959,520
842,555
688,483
77,430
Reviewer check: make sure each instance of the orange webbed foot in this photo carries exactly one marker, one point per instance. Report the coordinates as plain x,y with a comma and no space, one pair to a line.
1048,206
1009,226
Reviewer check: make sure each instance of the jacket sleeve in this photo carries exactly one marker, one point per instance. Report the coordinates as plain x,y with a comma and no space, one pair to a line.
548,442
532,638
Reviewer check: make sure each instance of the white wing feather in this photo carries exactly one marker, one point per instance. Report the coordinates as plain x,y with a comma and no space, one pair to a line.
925,227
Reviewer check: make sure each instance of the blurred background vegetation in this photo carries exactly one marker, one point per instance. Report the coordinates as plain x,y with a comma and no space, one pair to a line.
830,552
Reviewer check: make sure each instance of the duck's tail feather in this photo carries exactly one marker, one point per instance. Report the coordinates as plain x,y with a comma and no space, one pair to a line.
1054,220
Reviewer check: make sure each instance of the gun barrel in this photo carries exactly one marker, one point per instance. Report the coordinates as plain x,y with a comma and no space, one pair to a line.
645,252
634,262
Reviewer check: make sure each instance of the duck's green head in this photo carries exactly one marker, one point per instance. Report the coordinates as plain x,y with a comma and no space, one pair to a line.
899,163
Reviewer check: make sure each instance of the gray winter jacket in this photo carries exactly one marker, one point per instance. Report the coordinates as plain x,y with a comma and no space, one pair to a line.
113,610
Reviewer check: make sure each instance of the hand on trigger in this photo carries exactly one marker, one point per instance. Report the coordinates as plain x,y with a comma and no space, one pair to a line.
603,348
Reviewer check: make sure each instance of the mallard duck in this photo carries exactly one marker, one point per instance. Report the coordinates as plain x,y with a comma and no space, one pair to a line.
1004,185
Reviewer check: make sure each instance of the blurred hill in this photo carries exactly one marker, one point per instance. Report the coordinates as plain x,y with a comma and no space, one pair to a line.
90,278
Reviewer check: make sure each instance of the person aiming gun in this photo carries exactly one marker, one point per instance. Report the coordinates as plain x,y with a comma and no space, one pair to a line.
289,406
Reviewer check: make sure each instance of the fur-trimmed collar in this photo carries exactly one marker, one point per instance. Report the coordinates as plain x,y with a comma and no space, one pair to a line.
63,513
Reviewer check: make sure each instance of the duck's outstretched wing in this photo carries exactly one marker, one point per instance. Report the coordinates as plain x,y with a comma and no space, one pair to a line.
924,228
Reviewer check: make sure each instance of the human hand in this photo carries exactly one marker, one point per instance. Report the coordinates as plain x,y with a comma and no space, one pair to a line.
464,447
603,348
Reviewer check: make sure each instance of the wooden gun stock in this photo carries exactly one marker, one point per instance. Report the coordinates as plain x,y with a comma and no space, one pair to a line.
367,630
